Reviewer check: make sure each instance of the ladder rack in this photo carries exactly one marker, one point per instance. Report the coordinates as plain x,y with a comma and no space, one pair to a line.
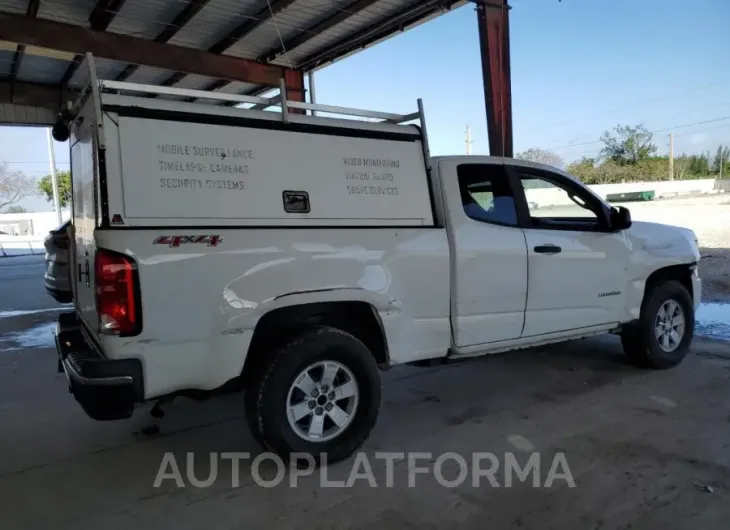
259,103
95,87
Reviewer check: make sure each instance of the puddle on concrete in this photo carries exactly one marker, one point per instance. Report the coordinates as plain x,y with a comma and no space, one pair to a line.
40,336
21,312
713,320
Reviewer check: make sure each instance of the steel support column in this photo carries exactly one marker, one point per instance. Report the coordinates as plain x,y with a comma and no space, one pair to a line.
294,80
493,18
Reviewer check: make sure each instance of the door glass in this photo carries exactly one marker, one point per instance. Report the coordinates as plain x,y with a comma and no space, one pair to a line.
485,194
546,199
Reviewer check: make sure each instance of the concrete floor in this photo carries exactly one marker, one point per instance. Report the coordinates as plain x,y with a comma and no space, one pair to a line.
21,284
646,449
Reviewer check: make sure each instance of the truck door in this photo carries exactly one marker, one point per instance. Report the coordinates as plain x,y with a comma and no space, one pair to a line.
488,253
577,267
84,207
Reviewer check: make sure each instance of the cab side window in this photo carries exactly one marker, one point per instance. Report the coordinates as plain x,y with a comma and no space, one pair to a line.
486,194
554,203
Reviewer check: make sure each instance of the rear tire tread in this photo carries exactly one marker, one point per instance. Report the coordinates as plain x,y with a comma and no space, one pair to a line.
272,441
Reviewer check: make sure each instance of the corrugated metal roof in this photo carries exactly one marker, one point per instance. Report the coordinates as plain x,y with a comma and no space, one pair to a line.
36,69
12,113
6,61
146,19
195,82
216,20
370,16
149,75
237,88
105,69
18,7
68,11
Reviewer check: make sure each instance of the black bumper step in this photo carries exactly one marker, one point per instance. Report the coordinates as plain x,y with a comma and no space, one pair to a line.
107,389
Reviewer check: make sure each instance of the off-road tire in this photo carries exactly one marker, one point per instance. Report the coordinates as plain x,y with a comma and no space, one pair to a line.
266,402
639,340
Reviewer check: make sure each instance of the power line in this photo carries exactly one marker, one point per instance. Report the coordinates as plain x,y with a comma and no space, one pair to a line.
638,102
653,131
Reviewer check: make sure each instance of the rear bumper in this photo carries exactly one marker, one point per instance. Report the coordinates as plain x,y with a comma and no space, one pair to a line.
106,389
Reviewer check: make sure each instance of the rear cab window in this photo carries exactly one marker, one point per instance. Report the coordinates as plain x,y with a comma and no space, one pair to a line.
486,194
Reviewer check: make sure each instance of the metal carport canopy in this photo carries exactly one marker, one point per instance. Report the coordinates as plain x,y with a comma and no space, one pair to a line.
232,46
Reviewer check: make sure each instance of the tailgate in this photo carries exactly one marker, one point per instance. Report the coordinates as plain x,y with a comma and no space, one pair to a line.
85,135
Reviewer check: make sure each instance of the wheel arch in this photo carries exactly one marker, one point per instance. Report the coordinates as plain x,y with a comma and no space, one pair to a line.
680,273
358,318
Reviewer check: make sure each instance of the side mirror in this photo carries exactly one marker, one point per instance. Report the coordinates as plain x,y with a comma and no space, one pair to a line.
620,218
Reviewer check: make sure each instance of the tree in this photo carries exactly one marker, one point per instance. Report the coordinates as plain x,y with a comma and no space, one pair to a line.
722,157
542,156
14,186
699,165
583,169
681,164
15,208
627,145
64,187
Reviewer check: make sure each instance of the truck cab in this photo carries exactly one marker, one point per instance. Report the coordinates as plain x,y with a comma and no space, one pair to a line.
294,256
559,259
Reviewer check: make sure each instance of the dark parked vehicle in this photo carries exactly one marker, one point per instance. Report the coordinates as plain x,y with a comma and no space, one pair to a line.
57,255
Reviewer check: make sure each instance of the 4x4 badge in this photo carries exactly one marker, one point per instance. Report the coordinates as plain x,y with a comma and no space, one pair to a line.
176,241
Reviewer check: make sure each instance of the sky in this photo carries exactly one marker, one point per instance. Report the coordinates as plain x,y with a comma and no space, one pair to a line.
579,67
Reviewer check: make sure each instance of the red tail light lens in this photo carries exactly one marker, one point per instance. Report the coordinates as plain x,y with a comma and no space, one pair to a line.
116,294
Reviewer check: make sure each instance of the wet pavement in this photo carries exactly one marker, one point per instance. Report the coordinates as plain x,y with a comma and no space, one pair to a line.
713,321
21,284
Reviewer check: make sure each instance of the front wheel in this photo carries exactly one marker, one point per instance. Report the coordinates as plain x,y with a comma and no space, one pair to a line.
318,393
662,337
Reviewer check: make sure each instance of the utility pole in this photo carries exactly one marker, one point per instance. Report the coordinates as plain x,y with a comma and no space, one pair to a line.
671,156
468,140
721,161
54,178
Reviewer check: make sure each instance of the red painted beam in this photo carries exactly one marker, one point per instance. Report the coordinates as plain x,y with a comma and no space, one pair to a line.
493,19
295,80
77,39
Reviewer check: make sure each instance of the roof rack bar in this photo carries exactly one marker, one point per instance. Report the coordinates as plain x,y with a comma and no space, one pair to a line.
184,92
273,102
410,117
259,103
345,110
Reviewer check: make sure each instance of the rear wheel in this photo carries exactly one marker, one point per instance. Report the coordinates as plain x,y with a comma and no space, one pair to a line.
662,337
318,393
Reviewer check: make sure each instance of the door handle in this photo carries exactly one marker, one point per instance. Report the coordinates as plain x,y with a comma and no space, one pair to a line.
548,249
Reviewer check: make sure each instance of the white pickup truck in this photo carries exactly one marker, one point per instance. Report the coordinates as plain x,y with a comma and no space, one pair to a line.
293,256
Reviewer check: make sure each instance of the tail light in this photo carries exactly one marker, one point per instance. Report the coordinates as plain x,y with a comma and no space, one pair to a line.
117,294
